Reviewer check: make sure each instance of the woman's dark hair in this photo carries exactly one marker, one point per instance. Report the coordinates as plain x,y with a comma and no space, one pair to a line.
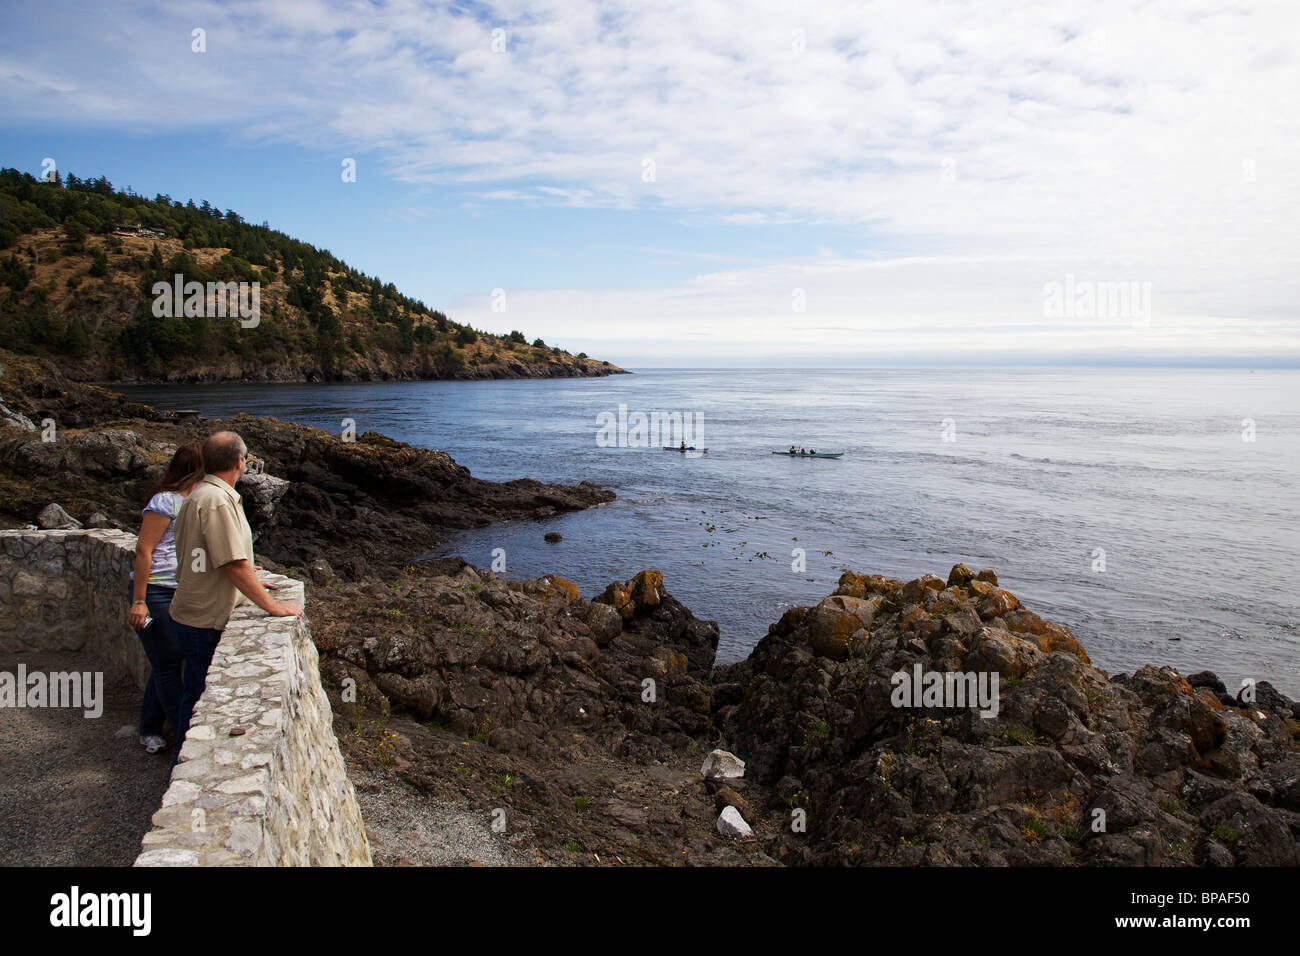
186,468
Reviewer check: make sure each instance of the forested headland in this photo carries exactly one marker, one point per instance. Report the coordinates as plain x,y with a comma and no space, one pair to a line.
79,260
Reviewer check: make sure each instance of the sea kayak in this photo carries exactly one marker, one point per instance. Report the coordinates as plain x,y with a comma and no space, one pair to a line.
692,448
809,454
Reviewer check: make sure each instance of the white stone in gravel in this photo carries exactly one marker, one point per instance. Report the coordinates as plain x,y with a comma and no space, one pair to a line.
732,824
721,764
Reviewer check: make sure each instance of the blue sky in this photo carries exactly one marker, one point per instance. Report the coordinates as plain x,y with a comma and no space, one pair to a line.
725,184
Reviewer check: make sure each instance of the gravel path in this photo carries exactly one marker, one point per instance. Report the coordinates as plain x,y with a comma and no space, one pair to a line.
408,828
75,791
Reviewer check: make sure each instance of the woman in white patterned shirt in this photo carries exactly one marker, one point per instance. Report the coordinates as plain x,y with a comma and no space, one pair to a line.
153,583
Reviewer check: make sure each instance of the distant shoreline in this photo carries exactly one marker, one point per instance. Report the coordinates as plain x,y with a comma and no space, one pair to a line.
465,376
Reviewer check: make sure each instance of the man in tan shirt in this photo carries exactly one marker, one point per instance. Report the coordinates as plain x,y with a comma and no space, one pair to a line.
214,564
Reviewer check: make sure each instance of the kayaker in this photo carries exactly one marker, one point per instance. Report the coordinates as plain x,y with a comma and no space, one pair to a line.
683,448
792,449
803,451
812,451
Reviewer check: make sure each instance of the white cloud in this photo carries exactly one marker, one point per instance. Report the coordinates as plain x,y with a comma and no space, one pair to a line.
1153,140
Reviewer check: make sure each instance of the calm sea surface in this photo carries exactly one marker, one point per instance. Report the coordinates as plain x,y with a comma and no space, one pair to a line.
1127,504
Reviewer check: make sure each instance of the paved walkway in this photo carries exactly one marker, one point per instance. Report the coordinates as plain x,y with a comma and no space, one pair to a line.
75,791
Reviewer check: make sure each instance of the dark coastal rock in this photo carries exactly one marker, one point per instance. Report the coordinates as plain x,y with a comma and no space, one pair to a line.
834,622
1075,767
1266,699
520,662
15,419
960,574
1207,679
605,622
37,389
261,495
320,572
360,504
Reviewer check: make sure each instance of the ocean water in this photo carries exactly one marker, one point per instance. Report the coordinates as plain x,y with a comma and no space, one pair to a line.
1154,512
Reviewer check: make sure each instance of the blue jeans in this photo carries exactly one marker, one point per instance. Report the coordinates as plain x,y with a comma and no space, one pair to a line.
162,695
197,645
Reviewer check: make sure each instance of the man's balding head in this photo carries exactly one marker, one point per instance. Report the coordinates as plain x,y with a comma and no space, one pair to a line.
222,451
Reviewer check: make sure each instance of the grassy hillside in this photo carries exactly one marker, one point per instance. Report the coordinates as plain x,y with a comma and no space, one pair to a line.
78,261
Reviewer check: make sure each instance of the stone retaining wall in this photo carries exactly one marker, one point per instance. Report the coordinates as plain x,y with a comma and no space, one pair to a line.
68,591
261,780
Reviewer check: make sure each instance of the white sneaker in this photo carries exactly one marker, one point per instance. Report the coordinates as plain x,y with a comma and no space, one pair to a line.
153,744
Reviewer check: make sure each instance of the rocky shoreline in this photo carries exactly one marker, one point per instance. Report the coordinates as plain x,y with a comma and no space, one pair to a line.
524,698
583,725
233,370
386,499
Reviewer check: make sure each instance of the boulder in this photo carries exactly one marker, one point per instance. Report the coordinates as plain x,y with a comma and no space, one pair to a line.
1001,651
963,621
728,797
836,619
1055,637
320,572
998,602
554,585
16,420
647,588
618,597
1194,717
732,824
913,590
261,494
861,585
1023,621
959,575
421,696
722,765
53,517
112,453
1207,679
1255,834
1267,699
605,623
